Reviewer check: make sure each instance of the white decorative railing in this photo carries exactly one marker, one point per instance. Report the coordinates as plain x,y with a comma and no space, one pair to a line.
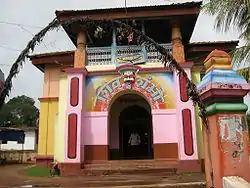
99,56
104,55
153,54
128,50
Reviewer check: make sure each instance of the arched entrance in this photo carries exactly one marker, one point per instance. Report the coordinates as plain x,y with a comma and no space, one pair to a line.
130,114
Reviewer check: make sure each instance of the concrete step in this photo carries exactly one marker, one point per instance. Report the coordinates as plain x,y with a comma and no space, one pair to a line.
137,184
131,166
144,161
97,172
162,185
131,181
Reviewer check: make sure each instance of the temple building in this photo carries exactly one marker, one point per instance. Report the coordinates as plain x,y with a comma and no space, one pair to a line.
95,101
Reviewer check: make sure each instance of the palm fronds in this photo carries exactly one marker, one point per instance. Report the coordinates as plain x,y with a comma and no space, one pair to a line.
245,73
241,56
233,14
228,13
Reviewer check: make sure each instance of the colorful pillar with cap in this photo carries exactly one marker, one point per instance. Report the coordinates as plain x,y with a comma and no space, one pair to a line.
71,113
226,139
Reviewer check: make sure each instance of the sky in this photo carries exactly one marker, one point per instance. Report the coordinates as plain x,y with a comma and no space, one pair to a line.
20,20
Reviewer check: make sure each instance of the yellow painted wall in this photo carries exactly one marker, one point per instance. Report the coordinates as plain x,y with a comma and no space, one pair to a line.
42,137
60,124
48,110
196,79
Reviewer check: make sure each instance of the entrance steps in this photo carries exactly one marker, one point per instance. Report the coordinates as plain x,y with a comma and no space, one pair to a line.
150,180
155,180
131,167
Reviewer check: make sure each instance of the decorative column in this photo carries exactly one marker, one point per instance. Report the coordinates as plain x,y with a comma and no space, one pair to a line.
185,112
74,147
177,46
185,117
226,140
80,53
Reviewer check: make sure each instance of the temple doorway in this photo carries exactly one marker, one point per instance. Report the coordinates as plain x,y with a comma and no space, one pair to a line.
130,128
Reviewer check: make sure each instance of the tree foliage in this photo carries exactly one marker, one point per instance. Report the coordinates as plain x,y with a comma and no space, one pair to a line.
232,14
19,111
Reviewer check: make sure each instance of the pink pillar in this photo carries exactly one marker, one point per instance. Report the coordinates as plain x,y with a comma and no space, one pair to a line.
185,114
74,148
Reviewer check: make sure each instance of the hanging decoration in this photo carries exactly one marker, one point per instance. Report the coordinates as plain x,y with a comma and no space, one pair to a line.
99,27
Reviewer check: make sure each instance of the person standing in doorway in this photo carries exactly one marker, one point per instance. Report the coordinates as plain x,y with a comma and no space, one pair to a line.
134,142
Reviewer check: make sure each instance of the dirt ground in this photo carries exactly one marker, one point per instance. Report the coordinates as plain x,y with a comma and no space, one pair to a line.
13,176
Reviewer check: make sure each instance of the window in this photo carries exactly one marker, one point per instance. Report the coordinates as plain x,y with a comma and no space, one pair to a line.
4,141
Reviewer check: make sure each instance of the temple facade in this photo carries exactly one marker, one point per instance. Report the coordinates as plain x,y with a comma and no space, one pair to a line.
94,98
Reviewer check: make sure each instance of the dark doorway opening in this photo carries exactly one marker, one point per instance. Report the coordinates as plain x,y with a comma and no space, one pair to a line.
135,120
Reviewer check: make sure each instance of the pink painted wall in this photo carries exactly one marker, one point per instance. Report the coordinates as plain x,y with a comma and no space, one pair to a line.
95,128
165,129
167,126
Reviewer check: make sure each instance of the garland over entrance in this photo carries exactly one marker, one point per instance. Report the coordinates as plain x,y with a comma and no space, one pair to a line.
99,27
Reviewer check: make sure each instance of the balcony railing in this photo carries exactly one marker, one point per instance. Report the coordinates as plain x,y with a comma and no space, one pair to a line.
107,56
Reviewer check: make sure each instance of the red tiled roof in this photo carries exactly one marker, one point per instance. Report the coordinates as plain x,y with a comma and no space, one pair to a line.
51,54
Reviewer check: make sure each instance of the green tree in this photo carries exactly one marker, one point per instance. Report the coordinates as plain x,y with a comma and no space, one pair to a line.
233,14
19,111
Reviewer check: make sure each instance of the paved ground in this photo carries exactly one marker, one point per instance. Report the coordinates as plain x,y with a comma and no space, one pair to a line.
13,176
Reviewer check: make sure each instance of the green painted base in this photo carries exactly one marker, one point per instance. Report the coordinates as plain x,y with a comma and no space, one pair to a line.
226,107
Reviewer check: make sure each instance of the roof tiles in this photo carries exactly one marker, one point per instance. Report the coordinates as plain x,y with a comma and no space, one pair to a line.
141,4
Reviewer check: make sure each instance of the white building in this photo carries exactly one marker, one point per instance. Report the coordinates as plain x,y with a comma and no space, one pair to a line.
30,142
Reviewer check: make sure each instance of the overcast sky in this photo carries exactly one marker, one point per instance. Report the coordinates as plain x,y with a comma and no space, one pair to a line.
32,15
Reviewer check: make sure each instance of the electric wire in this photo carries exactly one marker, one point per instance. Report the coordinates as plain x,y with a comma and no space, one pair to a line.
19,24
24,27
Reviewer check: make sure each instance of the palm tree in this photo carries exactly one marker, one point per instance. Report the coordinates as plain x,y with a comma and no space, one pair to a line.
233,14
245,72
